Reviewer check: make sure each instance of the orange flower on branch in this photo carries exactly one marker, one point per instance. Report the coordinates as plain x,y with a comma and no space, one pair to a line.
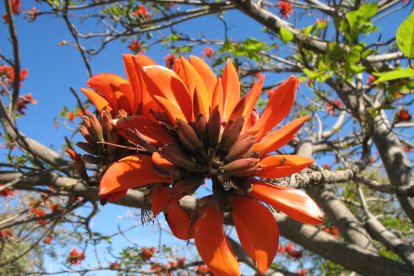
75,257
136,47
6,192
47,240
285,9
403,116
141,11
191,126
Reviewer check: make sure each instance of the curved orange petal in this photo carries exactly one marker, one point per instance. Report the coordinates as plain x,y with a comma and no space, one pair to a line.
197,88
146,127
129,172
172,110
231,89
159,199
218,97
123,102
277,108
133,64
245,106
211,242
277,166
107,84
97,100
161,164
279,137
178,220
294,203
163,82
206,75
257,231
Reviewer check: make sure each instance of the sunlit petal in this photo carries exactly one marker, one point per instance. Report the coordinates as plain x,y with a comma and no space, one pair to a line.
294,203
278,107
129,172
280,137
173,111
197,89
231,89
277,166
107,84
257,231
97,100
211,242
245,106
165,83
206,74
133,65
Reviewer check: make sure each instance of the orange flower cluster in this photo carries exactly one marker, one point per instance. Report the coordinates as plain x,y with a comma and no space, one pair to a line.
136,47
141,11
16,7
178,128
23,101
148,253
332,106
37,212
7,75
403,115
209,52
6,234
75,257
285,9
332,230
47,240
6,192
169,60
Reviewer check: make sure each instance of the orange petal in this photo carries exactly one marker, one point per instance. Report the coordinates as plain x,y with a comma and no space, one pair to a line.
231,89
245,106
197,88
277,166
280,137
179,220
133,64
159,199
165,83
107,84
218,97
97,100
172,110
277,108
294,203
129,172
146,127
123,102
257,231
211,242
206,75
161,164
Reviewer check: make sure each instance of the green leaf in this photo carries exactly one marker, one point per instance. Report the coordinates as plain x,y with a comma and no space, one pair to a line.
285,35
405,36
396,74
308,30
368,10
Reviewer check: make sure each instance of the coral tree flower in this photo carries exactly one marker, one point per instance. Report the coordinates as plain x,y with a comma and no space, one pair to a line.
189,126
